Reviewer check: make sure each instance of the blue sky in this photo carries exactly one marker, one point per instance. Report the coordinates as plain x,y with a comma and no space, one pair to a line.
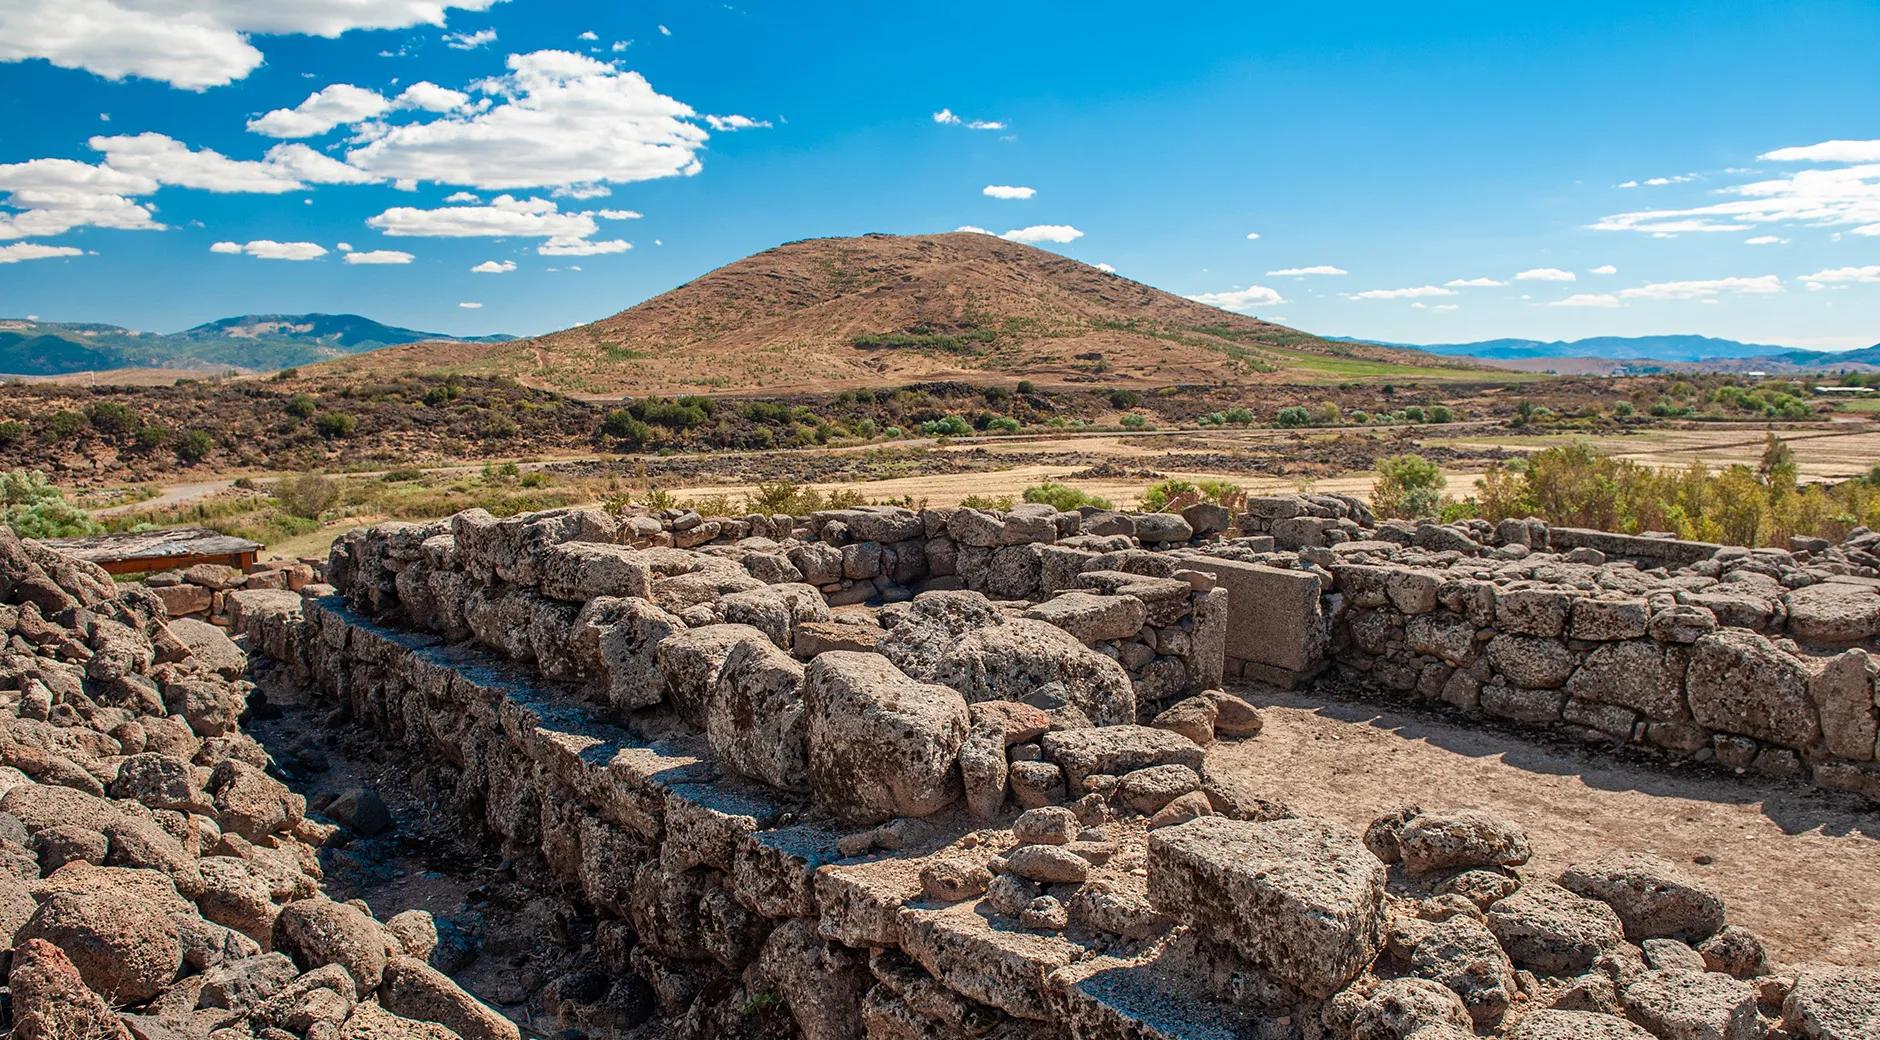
1414,173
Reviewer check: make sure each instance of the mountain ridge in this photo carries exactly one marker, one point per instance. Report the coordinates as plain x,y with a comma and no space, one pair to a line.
247,342
1668,349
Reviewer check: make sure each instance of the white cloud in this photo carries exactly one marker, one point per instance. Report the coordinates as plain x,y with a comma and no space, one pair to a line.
433,98
560,119
469,41
1694,290
463,196
1298,272
56,195
345,247
377,256
616,214
663,31
1603,269
581,247
304,164
1474,283
1253,236
1833,196
1827,152
1866,275
1766,240
268,249
1545,274
1587,300
945,117
1106,268
15,252
734,123
1659,182
1403,294
503,216
494,267
192,44
1242,300
1007,191
470,305
335,105
973,229
1058,233
589,36
169,161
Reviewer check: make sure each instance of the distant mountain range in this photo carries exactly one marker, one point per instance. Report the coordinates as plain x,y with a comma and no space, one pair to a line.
1638,352
251,342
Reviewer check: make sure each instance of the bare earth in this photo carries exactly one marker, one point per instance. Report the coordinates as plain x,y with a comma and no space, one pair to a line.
1799,866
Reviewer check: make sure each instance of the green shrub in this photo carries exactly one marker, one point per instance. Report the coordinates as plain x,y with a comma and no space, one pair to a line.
1293,417
1063,497
33,508
989,503
194,445
335,424
950,426
307,494
1441,414
1135,421
1239,416
1120,399
111,418
1002,424
300,406
1408,487
150,438
11,432
1026,386
64,426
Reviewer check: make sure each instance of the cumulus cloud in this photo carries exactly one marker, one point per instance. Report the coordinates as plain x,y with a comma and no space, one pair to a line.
504,216
615,214
1007,191
1058,233
561,119
1242,300
193,44
945,117
16,252
1106,268
1603,269
432,98
1545,274
377,256
734,123
335,105
1866,275
53,196
1403,294
1300,272
582,247
1253,236
494,267
268,249
1474,283
589,36
462,196
1704,290
285,168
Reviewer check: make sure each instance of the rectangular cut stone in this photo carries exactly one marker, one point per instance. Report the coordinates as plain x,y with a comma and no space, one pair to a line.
859,904
1005,969
1274,616
1302,900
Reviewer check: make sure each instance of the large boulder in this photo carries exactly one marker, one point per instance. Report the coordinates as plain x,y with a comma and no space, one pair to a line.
1433,842
1549,1024
1548,929
1635,674
1301,899
1092,618
756,719
1116,750
1740,682
50,1000
880,743
117,927
415,990
690,662
1832,612
1834,1003
1686,1004
616,639
1653,898
317,932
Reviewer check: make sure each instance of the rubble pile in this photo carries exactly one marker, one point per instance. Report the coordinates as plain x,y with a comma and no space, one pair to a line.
157,880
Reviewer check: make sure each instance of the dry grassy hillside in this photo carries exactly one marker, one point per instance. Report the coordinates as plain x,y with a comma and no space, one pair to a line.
829,314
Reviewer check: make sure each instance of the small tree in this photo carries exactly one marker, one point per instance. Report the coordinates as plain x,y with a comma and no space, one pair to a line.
33,508
1294,416
194,445
1408,487
307,494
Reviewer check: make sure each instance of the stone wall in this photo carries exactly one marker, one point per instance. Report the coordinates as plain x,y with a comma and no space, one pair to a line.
1761,660
201,592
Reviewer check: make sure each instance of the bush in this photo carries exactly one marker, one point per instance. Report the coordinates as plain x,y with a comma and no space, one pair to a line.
111,418
1063,497
1003,424
988,503
33,508
1294,416
11,432
1120,399
150,438
1135,421
64,426
194,445
1026,386
950,426
307,494
300,406
335,424
1441,414
1408,487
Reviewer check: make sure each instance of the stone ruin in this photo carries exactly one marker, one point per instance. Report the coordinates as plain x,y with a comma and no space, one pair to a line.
946,774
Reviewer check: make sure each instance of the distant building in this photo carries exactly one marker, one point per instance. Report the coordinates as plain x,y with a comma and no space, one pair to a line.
1844,391
145,551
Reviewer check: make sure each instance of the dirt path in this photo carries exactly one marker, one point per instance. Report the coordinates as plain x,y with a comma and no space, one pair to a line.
1799,866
